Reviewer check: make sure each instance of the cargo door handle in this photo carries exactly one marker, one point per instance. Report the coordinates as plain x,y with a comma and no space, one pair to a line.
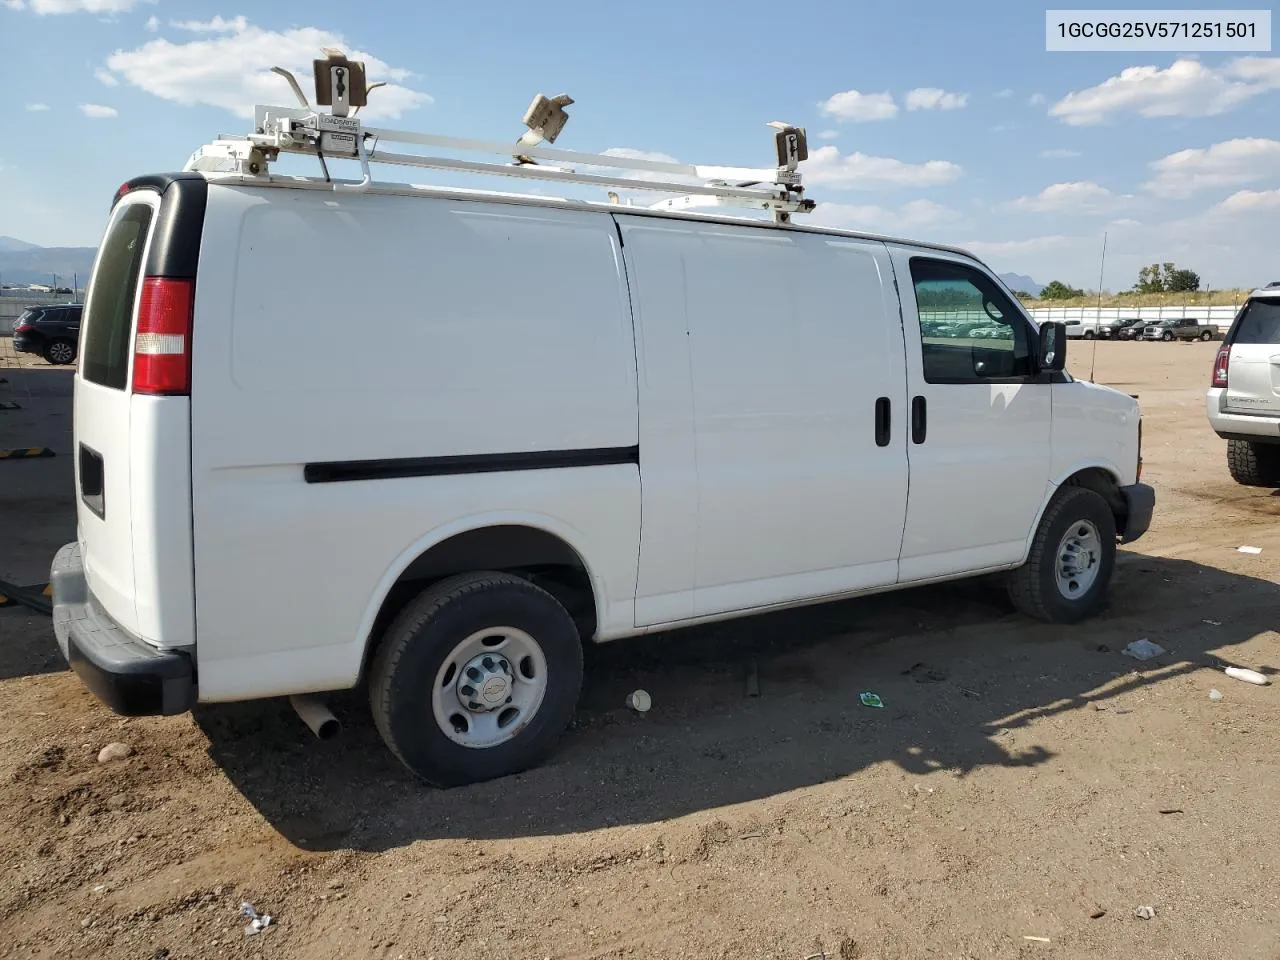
919,420
882,421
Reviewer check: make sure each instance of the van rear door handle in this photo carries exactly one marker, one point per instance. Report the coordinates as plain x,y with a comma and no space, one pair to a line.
882,421
919,420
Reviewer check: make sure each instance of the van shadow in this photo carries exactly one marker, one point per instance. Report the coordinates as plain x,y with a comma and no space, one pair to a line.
955,667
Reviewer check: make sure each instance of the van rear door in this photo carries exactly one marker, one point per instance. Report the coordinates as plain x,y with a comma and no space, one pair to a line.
132,416
1253,382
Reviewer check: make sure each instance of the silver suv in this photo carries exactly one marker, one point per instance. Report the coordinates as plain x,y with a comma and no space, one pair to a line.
1243,403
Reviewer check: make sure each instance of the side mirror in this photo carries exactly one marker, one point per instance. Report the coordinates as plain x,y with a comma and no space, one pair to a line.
1052,354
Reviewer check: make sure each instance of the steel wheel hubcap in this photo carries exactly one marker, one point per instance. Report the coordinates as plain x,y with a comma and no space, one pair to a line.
489,687
1078,558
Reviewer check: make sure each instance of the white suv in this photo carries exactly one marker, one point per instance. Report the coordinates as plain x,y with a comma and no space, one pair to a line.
1243,403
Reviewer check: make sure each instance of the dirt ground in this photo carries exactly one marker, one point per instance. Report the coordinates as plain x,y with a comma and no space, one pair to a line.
1021,780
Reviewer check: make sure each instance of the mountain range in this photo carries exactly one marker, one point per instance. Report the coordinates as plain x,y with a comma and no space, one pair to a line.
22,263
1020,282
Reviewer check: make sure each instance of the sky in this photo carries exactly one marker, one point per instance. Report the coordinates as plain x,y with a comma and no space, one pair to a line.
938,121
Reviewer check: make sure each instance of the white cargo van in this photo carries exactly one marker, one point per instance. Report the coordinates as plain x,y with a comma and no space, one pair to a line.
1243,401
432,441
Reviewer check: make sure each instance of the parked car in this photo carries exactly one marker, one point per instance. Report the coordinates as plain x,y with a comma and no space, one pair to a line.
1243,403
1168,330
1126,328
53,331
647,445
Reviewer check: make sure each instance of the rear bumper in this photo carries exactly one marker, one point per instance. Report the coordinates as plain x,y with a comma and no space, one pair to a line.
24,343
1141,502
1239,426
132,677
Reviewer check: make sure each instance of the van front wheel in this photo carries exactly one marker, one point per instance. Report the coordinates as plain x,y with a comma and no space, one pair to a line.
477,678
1068,571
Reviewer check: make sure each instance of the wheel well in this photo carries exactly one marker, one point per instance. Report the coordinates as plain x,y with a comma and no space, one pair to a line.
539,557
1106,486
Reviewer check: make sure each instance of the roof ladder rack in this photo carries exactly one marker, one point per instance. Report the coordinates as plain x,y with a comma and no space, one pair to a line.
340,84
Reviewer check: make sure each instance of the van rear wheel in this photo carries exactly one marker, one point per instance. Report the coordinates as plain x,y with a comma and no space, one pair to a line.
1068,571
1254,464
476,678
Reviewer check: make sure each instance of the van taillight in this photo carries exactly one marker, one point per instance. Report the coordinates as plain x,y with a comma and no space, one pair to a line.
1220,364
162,347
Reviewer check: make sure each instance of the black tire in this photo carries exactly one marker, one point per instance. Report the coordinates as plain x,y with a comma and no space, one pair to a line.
1254,464
1206,336
1033,587
1088,335
426,632
59,351
1167,335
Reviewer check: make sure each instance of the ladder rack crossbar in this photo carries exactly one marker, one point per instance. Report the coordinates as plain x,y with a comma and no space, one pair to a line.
764,197
302,131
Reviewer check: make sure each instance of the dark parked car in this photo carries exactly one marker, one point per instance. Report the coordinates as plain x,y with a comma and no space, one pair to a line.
52,331
1128,328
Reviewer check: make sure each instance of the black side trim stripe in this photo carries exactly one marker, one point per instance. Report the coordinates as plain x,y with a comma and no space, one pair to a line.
341,471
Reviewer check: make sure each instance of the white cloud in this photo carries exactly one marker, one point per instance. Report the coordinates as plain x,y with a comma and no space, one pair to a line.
1036,99
1004,249
1081,196
1186,89
1004,94
859,107
43,7
1248,201
630,153
232,69
98,111
1059,153
37,107
106,78
934,98
152,24
643,197
828,134
1227,164
216,25
827,167
913,215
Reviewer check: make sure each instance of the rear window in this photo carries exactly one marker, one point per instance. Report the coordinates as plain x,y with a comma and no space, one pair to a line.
109,309
1259,322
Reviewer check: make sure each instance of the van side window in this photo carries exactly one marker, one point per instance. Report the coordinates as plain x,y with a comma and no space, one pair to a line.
969,331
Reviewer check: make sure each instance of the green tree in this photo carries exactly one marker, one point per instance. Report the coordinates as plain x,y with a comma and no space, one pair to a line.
1166,278
1150,280
1057,290
1023,295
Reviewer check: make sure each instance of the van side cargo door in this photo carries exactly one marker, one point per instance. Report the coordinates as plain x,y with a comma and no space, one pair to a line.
772,416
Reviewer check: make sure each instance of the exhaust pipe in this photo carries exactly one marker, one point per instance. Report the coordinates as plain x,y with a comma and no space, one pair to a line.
316,716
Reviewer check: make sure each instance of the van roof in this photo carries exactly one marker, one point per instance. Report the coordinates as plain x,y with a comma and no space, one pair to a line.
541,200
